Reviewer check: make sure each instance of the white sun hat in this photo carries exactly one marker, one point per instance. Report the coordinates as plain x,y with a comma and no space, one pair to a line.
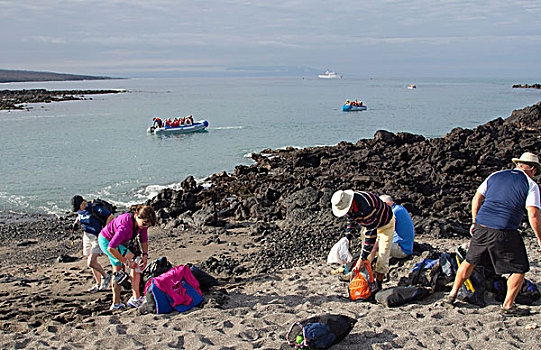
529,159
341,202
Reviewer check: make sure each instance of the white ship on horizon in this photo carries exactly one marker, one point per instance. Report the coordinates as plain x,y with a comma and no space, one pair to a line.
329,75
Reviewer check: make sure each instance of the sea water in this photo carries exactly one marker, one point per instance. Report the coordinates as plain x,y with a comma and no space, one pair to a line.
99,147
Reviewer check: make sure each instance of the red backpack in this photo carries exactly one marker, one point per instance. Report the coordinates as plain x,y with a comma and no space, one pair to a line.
363,286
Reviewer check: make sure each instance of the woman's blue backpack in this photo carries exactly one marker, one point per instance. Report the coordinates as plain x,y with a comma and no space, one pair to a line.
319,332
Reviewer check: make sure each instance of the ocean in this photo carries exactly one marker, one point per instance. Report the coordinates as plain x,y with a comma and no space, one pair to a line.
99,147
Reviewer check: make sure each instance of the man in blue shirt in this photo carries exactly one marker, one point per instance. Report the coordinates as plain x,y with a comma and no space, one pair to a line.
496,243
404,232
93,218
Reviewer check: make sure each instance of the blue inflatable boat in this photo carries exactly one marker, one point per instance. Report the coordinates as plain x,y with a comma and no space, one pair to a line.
351,108
199,125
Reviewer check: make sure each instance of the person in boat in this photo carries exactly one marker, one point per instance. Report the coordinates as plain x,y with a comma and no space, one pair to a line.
175,123
347,102
168,122
115,240
189,120
157,123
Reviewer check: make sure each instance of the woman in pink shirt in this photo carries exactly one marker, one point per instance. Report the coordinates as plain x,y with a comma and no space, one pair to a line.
115,240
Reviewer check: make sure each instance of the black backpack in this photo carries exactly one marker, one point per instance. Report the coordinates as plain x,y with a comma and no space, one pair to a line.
105,205
528,294
156,267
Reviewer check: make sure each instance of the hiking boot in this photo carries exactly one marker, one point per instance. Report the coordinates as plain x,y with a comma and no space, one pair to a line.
379,284
117,306
374,287
450,301
94,288
136,303
514,312
105,282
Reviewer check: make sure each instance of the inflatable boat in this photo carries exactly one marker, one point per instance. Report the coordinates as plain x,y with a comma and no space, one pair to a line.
199,125
351,108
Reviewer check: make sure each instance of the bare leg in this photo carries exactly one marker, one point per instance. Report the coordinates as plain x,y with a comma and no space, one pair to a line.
463,273
135,278
97,269
115,287
514,283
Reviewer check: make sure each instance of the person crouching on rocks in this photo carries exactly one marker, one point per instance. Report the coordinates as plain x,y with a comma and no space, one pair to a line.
119,241
377,222
93,218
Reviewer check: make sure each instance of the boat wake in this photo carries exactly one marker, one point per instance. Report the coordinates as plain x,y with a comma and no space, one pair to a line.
228,127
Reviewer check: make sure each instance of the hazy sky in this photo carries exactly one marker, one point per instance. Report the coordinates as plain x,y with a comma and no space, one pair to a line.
494,38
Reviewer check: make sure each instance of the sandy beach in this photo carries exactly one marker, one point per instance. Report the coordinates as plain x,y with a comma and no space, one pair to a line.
46,306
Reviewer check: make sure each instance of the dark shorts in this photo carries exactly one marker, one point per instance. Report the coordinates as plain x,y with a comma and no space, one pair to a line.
502,251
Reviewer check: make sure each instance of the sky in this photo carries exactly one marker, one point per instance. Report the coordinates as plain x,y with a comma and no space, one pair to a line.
134,38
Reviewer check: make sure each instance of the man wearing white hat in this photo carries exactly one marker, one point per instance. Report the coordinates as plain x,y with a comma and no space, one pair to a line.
497,210
377,221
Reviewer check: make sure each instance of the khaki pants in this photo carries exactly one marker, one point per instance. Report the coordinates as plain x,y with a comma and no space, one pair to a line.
385,238
396,252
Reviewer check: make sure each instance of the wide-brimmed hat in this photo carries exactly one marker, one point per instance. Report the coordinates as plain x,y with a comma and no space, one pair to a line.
529,159
341,202
76,203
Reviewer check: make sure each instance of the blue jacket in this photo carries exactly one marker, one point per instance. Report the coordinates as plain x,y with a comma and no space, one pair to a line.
404,231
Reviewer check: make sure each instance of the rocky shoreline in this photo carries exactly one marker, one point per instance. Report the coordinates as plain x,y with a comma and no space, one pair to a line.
286,194
283,200
18,99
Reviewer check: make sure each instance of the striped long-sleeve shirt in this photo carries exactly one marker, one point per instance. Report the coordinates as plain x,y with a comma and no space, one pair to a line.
370,212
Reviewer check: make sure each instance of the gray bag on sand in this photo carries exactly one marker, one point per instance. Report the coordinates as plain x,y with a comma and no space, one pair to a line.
396,296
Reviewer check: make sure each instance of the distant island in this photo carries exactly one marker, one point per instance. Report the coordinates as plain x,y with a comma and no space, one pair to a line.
527,86
17,99
21,76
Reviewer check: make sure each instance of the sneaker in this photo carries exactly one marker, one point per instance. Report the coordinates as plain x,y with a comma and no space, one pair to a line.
514,312
94,288
117,306
450,301
136,303
105,282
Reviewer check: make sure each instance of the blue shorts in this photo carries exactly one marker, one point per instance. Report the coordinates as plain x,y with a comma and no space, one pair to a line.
104,244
